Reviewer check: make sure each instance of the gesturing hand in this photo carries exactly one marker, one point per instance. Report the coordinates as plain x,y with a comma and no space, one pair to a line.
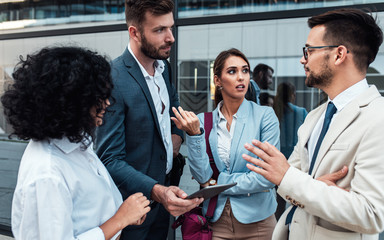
186,121
273,165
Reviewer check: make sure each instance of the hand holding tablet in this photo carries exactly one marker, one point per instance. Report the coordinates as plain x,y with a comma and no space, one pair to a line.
210,191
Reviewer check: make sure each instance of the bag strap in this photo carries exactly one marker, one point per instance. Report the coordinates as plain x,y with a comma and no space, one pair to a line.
208,123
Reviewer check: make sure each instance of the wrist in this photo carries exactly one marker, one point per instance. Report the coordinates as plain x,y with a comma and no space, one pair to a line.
157,193
197,133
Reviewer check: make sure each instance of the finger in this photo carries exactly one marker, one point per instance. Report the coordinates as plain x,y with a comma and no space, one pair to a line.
254,168
176,121
255,161
180,193
183,113
257,151
339,174
266,147
177,114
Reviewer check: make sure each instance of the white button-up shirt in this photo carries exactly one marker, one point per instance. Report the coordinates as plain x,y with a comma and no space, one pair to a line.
159,94
224,137
340,101
62,192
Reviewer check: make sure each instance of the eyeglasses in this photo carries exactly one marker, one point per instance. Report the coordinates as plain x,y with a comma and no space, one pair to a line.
305,49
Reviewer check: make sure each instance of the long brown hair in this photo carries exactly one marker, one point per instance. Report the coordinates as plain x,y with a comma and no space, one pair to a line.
285,94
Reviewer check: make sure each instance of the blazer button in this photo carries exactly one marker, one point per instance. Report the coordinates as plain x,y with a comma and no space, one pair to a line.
162,157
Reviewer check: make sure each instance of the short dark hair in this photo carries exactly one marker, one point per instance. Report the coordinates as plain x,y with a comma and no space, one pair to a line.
53,93
353,28
260,68
219,65
135,10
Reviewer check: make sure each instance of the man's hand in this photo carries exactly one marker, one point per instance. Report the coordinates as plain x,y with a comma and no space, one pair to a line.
331,178
176,142
173,199
273,165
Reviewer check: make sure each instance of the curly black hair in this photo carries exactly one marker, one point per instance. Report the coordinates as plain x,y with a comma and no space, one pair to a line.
53,93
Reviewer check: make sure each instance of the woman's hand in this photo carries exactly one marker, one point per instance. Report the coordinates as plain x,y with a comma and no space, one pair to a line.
132,211
186,121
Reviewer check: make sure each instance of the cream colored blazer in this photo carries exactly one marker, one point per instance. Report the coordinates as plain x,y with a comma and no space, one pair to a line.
355,139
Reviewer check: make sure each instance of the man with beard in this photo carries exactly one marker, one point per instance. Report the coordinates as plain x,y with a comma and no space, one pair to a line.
344,133
138,142
261,79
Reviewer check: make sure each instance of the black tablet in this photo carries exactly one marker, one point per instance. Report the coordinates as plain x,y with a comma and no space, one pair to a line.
210,191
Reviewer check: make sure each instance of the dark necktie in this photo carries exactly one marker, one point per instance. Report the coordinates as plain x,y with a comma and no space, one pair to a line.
331,109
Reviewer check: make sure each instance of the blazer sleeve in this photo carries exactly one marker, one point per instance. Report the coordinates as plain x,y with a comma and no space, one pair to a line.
110,147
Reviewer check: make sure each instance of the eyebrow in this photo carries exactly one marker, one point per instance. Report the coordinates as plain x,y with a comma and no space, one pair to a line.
244,66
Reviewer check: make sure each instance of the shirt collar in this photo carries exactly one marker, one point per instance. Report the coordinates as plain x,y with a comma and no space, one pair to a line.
65,145
158,64
221,115
349,94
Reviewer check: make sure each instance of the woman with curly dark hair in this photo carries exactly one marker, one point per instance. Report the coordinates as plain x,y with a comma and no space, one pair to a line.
63,191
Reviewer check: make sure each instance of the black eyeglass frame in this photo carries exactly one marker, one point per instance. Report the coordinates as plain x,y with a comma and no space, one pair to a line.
305,49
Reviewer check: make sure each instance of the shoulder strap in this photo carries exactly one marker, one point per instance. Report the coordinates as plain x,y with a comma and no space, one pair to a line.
208,123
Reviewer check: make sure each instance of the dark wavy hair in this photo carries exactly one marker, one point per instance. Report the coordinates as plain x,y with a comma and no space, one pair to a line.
218,66
53,93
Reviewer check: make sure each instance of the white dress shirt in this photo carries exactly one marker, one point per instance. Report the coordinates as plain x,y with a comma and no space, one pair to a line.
224,137
159,94
340,101
62,192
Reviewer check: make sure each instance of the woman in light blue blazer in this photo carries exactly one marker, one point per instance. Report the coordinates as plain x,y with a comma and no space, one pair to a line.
245,211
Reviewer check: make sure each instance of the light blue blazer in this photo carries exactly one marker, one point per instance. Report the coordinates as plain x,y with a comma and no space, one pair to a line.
253,198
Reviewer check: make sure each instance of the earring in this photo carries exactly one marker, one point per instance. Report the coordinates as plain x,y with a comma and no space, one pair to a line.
220,88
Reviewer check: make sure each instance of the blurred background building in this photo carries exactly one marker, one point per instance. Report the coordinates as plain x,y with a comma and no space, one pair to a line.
272,32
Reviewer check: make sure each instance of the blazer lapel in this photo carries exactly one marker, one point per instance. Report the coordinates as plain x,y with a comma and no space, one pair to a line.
242,115
305,132
349,113
134,70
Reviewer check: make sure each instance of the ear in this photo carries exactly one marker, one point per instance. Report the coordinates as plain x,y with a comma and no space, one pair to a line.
216,80
341,54
134,33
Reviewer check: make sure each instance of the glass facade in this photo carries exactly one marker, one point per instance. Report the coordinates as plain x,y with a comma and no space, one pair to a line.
15,10
276,42
197,8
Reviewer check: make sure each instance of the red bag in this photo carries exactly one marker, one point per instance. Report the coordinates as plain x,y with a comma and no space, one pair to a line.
194,226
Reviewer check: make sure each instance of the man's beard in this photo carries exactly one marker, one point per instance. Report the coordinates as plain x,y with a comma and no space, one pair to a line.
323,79
150,51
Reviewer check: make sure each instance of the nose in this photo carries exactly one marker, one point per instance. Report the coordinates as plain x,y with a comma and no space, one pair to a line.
240,76
170,37
302,60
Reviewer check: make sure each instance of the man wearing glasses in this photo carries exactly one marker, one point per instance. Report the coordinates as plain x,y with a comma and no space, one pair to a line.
346,132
